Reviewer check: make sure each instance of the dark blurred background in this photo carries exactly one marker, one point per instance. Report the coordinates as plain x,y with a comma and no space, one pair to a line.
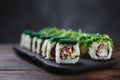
92,16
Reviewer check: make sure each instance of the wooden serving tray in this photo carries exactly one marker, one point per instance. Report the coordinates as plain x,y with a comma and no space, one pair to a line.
83,65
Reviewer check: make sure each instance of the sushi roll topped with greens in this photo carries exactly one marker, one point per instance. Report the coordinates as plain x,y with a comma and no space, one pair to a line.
98,46
67,51
26,39
44,45
34,41
101,47
50,54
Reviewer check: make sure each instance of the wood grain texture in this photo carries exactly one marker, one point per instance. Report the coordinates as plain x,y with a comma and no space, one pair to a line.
13,67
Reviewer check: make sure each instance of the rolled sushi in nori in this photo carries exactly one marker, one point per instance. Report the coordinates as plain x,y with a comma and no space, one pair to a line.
34,41
26,39
22,41
42,44
67,51
50,53
39,44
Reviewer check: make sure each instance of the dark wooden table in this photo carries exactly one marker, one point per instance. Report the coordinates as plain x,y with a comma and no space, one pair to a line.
12,67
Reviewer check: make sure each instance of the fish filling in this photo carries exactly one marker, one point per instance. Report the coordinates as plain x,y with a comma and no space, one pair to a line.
66,51
102,50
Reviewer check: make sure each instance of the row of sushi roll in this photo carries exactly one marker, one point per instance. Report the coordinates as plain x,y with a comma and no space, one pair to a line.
67,46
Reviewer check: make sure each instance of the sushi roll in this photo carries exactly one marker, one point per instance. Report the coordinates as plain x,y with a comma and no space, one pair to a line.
39,45
42,42
97,46
34,42
101,49
22,41
23,38
44,45
26,40
50,53
67,51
